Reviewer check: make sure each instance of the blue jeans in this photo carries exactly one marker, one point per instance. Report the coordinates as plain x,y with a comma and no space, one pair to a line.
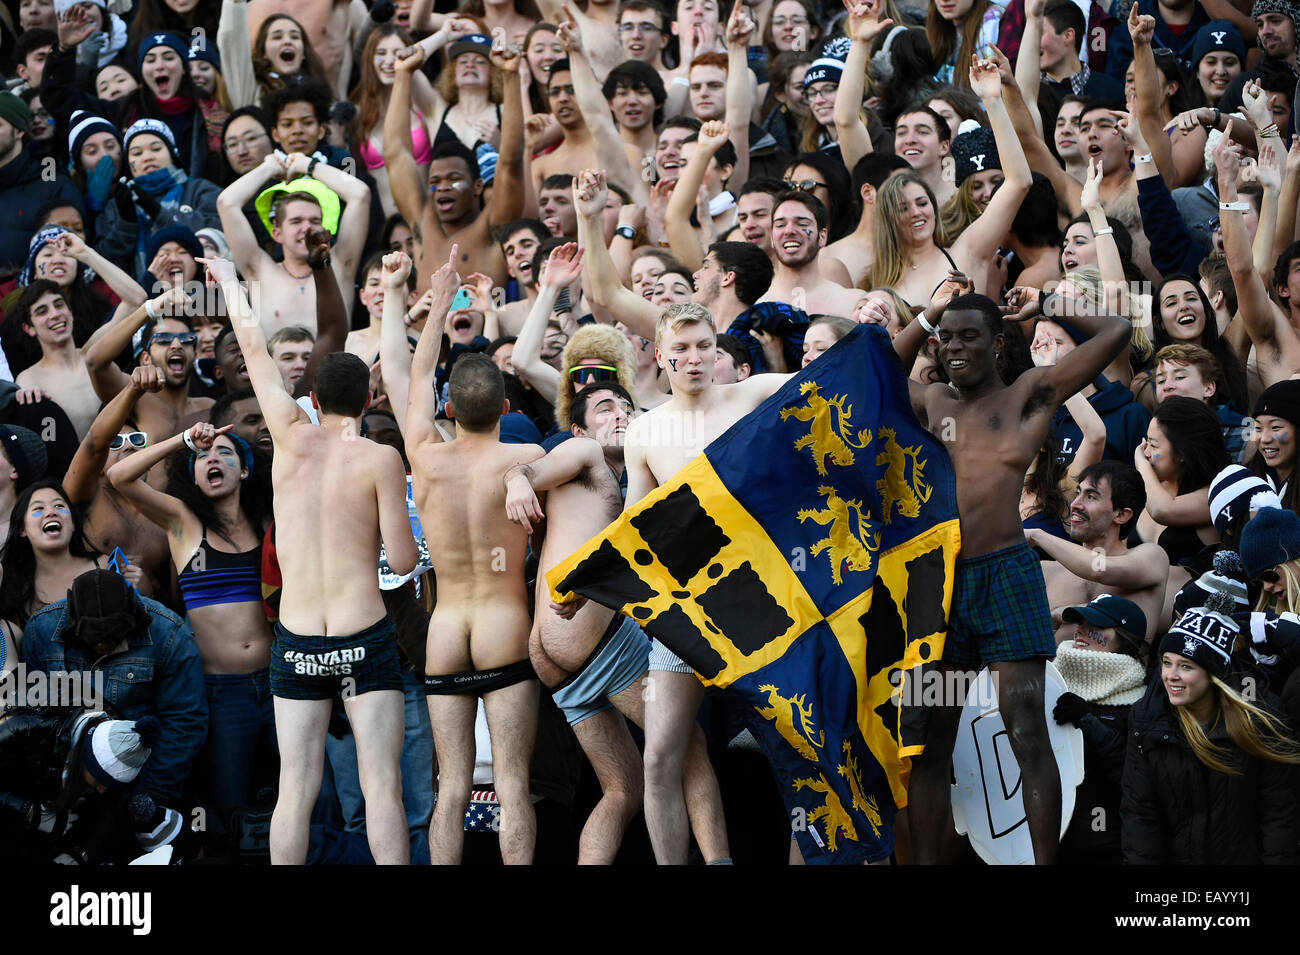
240,716
417,772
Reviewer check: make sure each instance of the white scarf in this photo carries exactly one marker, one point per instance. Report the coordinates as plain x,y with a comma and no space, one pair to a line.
1109,679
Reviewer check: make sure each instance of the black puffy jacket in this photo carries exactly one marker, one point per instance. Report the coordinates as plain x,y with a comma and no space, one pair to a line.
1178,811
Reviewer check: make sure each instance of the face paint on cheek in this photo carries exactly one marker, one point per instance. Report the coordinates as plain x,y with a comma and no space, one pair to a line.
673,362
808,234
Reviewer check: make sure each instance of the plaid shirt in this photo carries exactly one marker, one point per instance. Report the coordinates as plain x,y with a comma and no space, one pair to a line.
1077,82
1012,29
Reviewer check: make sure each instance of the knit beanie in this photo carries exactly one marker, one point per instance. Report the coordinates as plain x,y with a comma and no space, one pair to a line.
1231,492
201,48
63,6
827,69
975,151
1228,575
1218,36
1271,538
81,127
40,240
1285,7
1205,635
173,40
14,111
158,128
26,452
115,750
1281,400
154,825
173,233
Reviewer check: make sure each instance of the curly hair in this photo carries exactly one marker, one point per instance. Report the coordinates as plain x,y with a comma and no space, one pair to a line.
254,489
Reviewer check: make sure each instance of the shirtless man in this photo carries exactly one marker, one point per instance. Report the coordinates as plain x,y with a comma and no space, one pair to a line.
111,520
61,373
447,209
478,634
519,243
798,235
339,498
170,344
285,292
1000,614
595,661
659,444
644,32
1111,496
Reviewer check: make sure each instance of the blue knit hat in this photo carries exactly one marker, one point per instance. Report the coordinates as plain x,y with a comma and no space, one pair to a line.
827,69
1271,538
1205,635
158,128
173,233
201,48
82,126
40,240
173,40
1218,36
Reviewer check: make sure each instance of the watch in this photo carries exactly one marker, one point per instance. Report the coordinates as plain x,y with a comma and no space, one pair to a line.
627,232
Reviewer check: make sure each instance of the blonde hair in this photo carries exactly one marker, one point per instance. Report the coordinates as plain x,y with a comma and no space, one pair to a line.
1087,279
1254,731
961,210
838,324
604,342
680,314
1289,603
893,255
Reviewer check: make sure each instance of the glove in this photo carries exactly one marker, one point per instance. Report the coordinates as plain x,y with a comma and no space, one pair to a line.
1070,708
150,206
383,11
90,48
1270,631
100,184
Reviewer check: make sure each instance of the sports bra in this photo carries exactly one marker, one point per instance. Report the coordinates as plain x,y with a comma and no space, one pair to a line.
421,149
225,578
446,134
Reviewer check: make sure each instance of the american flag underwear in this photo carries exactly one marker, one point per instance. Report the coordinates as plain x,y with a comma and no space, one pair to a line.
484,812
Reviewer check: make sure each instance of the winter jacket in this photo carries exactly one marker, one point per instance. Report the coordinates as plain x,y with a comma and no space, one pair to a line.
26,184
1178,811
119,235
1177,223
1126,423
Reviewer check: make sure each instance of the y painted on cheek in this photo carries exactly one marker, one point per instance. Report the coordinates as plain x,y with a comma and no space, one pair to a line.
673,362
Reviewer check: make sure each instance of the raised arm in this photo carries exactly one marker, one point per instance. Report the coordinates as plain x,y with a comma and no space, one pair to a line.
607,291
683,239
1108,259
106,377
565,462
355,221
740,88
82,480
1036,153
248,255
1284,232
864,25
1044,351
1108,335
394,352
610,154
1182,510
127,289
422,399
1266,325
1029,75
1147,80
399,160
1137,569
235,47
563,266
278,407
508,187
127,477
394,518
981,238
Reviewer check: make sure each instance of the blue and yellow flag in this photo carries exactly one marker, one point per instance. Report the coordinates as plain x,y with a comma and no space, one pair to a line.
804,562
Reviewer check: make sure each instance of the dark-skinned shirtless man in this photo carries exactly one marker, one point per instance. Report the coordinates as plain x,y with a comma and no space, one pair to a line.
1000,615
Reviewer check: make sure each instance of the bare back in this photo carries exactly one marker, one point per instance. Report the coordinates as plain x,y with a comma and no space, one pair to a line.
327,530
481,620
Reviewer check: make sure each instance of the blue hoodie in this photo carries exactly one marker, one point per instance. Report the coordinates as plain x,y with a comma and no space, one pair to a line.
1126,423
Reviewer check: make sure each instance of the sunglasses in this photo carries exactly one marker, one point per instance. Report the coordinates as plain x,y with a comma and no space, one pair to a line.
138,440
186,339
805,185
585,374
1268,577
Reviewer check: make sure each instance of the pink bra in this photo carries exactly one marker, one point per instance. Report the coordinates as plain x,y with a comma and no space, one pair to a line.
420,148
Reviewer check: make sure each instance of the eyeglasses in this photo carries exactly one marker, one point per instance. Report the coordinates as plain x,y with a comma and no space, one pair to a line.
585,374
138,440
244,142
805,185
638,28
819,92
554,91
186,339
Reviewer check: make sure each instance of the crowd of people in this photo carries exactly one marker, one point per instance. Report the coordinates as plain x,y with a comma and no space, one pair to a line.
329,327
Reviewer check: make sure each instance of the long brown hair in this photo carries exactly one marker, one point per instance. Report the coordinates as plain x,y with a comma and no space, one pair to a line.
477,8
369,93
892,254
944,39
265,72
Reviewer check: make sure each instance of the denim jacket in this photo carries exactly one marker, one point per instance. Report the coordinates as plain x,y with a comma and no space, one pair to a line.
157,673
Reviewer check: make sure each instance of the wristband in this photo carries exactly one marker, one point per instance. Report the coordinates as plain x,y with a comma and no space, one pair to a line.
311,166
1218,116
930,329
189,442
1142,159
627,232
1234,206
1098,233
1268,131
150,310
588,319
563,301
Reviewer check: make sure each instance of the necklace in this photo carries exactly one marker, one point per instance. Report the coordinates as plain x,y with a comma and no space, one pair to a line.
301,280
